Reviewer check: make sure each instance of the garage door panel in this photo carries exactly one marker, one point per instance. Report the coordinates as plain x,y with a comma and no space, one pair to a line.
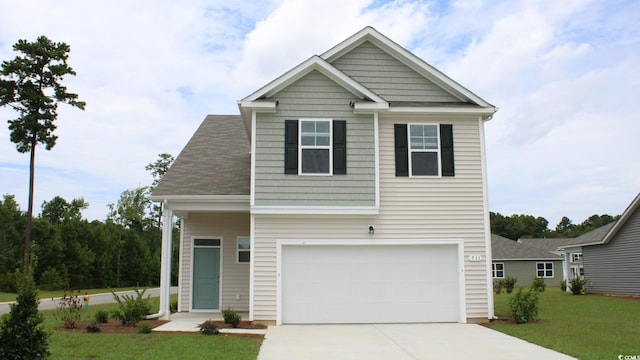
369,284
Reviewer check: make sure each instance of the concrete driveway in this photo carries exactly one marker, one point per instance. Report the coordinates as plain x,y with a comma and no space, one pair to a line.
397,342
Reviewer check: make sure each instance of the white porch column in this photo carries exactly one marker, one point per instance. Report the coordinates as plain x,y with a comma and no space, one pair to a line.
165,263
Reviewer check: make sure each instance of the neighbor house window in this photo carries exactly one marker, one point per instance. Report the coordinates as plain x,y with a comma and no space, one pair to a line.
243,249
576,257
498,270
544,270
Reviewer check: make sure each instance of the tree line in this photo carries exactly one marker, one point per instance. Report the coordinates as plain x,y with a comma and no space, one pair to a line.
527,226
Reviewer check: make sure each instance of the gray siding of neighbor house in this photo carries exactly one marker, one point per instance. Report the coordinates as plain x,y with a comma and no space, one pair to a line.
388,77
614,268
525,271
314,96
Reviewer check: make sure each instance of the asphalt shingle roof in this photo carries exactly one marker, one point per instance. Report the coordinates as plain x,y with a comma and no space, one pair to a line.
507,249
216,161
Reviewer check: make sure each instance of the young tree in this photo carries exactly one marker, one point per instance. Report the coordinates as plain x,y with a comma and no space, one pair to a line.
158,169
31,85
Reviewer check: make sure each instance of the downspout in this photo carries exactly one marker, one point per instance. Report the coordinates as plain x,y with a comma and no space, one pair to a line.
165,265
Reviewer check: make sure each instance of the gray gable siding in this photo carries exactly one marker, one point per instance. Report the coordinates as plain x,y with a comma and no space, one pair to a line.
388,77
314,96
613,268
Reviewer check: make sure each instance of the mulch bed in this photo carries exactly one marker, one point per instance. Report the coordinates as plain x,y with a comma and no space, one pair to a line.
114,326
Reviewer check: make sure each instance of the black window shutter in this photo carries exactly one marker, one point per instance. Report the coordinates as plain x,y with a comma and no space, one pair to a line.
339,147
402,150
446,149
291,146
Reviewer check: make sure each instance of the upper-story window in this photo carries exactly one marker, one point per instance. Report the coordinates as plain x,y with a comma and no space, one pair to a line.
424,146
576,257
315,147
424,150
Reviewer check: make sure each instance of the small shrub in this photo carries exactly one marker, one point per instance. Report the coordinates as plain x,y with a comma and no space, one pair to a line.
498,284
173,306
93,327
8,283
563,285
101,316
131,309
231,317
69,308
523,306
22,335
509,283
144,329
209,328
538,284
578,286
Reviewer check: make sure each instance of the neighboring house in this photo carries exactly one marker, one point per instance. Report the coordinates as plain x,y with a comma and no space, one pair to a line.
610,254
351,189
572,263
571,251
524,261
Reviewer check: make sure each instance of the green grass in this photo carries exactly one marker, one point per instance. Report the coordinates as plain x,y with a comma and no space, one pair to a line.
7,297
586,326
157,346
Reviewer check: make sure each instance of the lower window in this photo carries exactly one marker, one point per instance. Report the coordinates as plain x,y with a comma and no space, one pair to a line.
544,270
497,270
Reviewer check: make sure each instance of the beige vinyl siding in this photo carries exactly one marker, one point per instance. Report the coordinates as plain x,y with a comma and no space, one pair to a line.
410,209
439,208
314,96
388,77
234,276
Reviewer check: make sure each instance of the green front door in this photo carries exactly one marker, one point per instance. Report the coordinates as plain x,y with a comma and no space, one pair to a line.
206,278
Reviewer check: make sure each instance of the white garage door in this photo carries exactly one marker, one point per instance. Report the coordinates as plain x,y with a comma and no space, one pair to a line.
369,284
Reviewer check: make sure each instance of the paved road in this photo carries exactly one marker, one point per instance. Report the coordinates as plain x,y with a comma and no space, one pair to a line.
96,299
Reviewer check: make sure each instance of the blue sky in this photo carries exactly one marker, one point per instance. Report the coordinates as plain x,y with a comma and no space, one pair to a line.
564,75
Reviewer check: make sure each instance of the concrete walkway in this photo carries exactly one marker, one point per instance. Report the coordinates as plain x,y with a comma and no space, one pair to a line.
190,322
397,342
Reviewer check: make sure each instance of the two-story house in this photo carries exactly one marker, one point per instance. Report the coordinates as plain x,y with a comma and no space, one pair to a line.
351,189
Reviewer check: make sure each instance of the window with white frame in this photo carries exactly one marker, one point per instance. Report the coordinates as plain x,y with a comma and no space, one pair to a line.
315,147
576,257
544,269
497,270
424,149
243,249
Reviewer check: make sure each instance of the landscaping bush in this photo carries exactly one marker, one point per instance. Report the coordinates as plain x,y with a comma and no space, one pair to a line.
69,309
498,284
538,284
578,286
209,328
523,306
144,329
93,327
131,309
8,283
22,335
563,285
231,317
509,283
101,316
173,306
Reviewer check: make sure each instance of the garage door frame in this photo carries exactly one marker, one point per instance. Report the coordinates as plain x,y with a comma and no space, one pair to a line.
459,243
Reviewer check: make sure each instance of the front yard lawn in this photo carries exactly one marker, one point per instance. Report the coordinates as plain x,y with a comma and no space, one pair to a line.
584,326
157,346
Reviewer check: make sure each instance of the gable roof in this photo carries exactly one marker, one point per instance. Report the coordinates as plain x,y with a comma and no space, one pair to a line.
548,244
613,227
215,161
406,57
507,249
367,100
